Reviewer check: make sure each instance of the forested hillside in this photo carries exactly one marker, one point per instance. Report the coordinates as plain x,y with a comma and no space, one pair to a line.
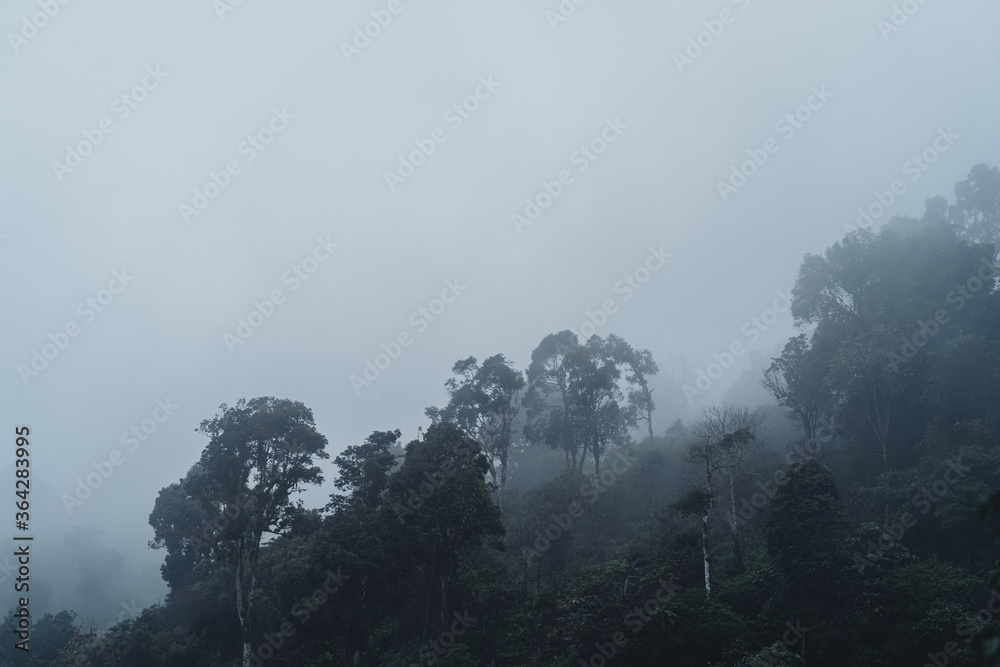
540,520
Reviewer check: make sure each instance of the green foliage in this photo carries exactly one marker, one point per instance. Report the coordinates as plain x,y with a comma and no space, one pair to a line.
805,528
434,566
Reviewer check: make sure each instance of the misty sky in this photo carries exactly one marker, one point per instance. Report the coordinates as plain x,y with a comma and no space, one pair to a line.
308,129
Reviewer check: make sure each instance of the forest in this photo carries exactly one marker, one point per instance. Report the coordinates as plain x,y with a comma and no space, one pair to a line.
539,519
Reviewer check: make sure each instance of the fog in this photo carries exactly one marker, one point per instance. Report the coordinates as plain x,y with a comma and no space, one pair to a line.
236,163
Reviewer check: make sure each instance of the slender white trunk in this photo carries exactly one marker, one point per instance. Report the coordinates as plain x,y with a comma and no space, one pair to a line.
704,525
704,551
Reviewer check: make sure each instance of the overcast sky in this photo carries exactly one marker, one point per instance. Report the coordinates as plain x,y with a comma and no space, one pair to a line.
114,114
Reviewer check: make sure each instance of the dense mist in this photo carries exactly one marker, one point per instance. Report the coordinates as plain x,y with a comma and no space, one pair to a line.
562,333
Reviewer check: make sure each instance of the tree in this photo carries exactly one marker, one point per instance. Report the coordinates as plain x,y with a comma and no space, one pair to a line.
455,514
862,368
699,501
804,529
976,211
574,400
180,525
836,290
727,440
872,298
640,367
548,401
485,402
364,470
260,452
595,407
703,452
797,380
50,636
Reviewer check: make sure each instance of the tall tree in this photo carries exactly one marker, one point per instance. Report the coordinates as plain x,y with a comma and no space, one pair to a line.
485,402
805,528
797,380
455,514
862,369
548,401
702,451
640,367
595,399
976,211
260,452
574,400
699,501
873,297
186,527
364,470
728,440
